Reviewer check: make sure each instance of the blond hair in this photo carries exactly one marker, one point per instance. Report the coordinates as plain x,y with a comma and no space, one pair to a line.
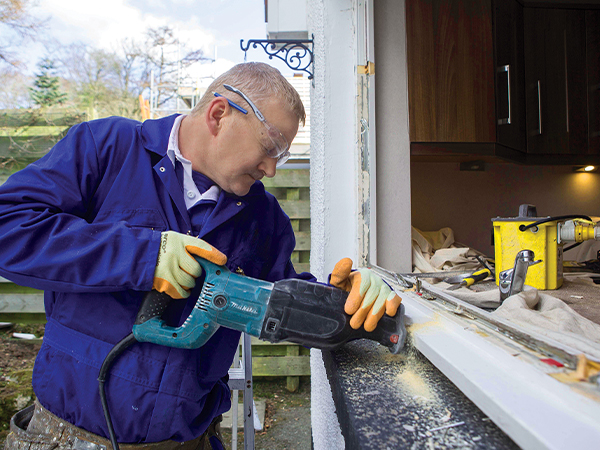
260,82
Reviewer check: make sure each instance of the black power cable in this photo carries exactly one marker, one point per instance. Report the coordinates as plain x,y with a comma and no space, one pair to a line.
552,219
576,244
116,351
153,305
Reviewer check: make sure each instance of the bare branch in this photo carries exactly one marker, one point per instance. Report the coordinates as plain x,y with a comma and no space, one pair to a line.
17,25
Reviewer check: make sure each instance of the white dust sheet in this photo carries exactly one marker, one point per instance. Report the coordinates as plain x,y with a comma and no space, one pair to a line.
570,315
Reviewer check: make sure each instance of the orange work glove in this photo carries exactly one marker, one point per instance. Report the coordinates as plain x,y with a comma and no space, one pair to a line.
176,269
369,296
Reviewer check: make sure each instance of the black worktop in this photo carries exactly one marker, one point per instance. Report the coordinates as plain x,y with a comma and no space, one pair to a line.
386,401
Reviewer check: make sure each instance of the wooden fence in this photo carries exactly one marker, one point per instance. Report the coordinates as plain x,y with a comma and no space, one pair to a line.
291,188
27,135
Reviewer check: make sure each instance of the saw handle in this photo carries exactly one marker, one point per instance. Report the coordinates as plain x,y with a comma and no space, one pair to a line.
153,305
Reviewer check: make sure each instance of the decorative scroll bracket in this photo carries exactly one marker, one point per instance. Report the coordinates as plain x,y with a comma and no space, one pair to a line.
296,53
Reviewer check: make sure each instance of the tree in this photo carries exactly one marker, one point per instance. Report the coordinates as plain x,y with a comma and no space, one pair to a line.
98,81
16,26
166,59
47,86
15,91
130,66
109,82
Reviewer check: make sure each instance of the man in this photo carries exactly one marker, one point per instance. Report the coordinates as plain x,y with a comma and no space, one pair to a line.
118,208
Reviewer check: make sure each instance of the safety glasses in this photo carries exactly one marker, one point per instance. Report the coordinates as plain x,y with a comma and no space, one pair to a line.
276,144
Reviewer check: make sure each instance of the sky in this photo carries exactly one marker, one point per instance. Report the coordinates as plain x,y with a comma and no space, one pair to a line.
215,26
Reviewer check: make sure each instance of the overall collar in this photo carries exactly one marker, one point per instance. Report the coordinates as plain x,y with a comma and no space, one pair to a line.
155,134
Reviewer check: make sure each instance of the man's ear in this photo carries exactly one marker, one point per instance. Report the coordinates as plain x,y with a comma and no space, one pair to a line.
217,109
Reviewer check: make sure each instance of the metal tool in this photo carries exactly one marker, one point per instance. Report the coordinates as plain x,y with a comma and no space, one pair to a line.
457,279
469,280
299,311
442,274
449,276
513,280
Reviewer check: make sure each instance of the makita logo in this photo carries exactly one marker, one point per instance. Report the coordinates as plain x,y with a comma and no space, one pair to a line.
245,308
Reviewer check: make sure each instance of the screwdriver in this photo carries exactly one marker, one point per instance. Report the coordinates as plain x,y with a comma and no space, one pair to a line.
480,275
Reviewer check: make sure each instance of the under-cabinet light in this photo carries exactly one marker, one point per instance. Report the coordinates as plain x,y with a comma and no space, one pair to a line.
585,168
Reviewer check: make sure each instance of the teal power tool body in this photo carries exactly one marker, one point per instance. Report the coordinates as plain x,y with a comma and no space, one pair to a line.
303,312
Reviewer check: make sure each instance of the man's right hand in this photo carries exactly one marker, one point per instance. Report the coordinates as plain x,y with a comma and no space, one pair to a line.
176,268
370,297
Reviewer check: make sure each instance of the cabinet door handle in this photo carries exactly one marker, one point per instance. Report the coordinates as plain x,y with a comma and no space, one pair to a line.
506,69
566,81
539,87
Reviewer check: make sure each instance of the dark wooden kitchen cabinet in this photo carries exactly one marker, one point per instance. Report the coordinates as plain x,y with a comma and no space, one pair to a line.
450,71
465,76
592,27
519,80
556,81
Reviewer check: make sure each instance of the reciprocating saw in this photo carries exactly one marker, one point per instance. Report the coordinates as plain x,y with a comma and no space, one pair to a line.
293,310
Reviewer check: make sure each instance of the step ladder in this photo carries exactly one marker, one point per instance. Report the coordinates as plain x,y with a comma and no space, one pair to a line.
240,379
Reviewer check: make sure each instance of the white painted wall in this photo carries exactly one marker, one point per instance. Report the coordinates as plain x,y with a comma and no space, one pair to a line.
333,160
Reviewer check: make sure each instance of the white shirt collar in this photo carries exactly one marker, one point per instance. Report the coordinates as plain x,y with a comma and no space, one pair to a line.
191,194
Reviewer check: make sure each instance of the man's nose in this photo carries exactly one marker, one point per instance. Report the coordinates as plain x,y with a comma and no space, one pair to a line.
269,167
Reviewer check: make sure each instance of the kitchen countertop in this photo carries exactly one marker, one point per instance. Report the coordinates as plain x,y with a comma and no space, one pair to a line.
387,401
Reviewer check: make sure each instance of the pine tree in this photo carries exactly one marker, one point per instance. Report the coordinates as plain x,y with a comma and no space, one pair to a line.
47,86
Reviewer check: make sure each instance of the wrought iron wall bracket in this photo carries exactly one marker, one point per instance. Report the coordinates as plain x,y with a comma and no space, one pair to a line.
296,53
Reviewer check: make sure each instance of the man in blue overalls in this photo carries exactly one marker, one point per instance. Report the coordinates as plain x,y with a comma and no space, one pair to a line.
116,209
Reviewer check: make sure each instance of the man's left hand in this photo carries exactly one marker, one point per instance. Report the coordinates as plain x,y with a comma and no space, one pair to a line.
370,297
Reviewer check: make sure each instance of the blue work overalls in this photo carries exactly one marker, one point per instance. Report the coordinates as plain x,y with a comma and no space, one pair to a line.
83,223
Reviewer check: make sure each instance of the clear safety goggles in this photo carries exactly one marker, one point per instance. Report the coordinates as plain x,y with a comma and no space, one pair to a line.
277,145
